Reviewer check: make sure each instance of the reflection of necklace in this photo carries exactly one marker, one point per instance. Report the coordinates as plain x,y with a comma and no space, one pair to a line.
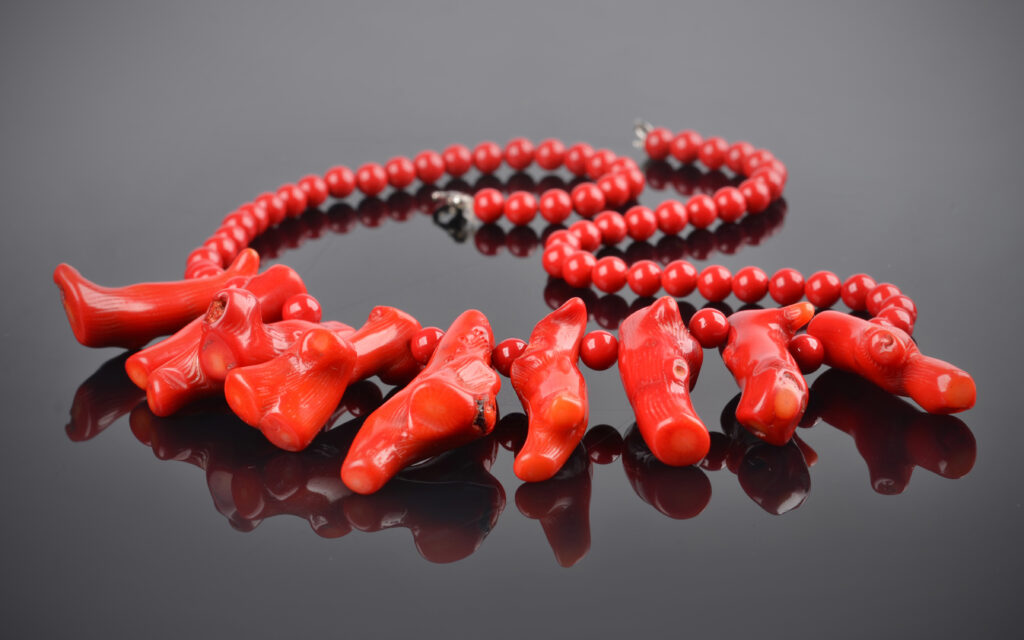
258,339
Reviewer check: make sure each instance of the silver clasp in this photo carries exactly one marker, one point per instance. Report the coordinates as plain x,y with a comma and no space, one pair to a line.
640,130
455,214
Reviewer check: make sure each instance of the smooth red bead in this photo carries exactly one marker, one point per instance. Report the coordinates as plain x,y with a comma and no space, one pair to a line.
808,352
612,226
315,189
371,178
458,159
225,246
679,278
505,353
549,154
641,223
519,153
710,327
244,219
750,284
774,181
293,197
786,286
671,216
737,154
823,289
259,214
616,189
757,195
623,164
636,180
488,205
730,203
274,206
202,254
902,302
755,160
554,258
203,268
685,146
715,283
520,207
712,152
855,291
657,142
576,158
644,277
777,167
302,306
424,342
897,317
563,236
588,233
609,274
555,205
599,350
879,295
341,182
577,268
487,157
401,172
701,211
429,166
600,163
587,199
236,233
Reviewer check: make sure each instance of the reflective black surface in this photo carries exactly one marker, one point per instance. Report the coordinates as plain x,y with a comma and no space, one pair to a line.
130,130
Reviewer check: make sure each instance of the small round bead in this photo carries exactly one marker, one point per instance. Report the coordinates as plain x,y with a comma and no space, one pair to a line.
600,163
823,289
341,182
636,180
236,233
588,233
616,189
879,295
808,352
429,166
612,226
488,205
302,306
371,178
755,160
855,291
657,142
776,166
424,342
671,215
599,350
549,154
587,199
577,268
458,159
293,197
275,205
737,154
520,207
519,153
712,152
750,284
487,157
902,302
505,353
730,203
701,211
576,158
401,172
897,317
685,146
644,277
225,246
555,205
641,223
315,188
786,286
715,283
259,214
554,258
679,278
244,219
609,274
623,164
202,254
774,181
710,327
203,268
563,236
756,194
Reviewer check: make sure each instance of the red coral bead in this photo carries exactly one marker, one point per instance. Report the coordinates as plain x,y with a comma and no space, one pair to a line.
855,291
315,189
730,203
879,295
600,163
520,207
563,236
755,160
616,189
757,195
657,142
609,274
549,154
401,172
823,289
710,327
587,199
505,353
371,178
808,352
424,342
679,278
274,206
488,205
685,146
599,350
612,226
641,223
576,158
577,268
712,152
588,233
519,153
750,284
671,215
737,154
715,283
774,181
487,157
554,258
458,159
701,211
293,197
644,277
786,286
429,166
341,182
897,317
902,302
555,205
636,180
302,306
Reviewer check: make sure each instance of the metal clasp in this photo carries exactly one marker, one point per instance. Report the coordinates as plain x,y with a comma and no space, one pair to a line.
455,214
640,130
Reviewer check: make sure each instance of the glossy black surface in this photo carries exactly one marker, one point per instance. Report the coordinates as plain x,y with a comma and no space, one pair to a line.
131,129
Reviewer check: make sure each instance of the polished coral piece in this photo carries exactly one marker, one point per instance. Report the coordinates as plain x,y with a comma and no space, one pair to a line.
450,403
757,353
659,362
548,382
131,316
888,357
382,346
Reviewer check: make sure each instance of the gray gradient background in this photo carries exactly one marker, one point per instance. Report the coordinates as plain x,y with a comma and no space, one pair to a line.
129,129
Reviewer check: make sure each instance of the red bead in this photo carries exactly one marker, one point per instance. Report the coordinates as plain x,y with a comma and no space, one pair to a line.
371,178
244,219
777,167
671,215
786,286
424,342
555,205
488,205
616,189
401,172
576,158
756,194
750,284
505,353
519,153
458,159
550,154
737,154
715,283
623,164
587,199
686,145
259,214
236,233
302,306
636,180
554,258
641,223
609,274
341,182
897,317
755,160
879,295
577,268
679,278
429,166
202,254
644,277
902,302
712,152
588,233
701,211
599,350
520,207
563,236
293,197
225,246
730,203
487,157
600,163
657,142
823,289
855,291
274,206
774,181
710,327
612,226
315,188
808,352
203,268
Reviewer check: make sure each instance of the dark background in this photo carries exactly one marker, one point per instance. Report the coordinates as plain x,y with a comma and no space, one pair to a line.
130,129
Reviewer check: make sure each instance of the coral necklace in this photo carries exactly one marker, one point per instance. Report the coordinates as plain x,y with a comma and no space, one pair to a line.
258,339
